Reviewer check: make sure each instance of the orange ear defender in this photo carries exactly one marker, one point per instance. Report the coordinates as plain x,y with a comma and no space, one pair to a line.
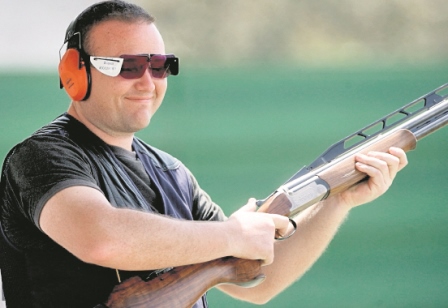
74,76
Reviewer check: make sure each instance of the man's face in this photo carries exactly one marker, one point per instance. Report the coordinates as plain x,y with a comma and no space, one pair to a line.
119,106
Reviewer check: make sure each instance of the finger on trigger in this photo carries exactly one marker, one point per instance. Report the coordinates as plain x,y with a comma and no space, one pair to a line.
281,224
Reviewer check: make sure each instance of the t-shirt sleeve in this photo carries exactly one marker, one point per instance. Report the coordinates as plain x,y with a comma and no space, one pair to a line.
40,167
203,206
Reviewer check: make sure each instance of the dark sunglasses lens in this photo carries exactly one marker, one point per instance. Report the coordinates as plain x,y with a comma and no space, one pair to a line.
134,66
172,63
158,67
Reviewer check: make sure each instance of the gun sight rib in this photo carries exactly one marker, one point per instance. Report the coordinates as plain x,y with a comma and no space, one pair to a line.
422,117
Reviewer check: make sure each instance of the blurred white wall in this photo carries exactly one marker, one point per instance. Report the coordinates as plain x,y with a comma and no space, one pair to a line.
32,32
323,32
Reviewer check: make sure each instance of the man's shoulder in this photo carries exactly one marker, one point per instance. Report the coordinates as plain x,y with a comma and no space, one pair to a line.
54,128
55,139
60,130
60,125
67,126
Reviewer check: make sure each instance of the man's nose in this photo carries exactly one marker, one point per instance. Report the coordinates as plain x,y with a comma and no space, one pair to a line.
146,82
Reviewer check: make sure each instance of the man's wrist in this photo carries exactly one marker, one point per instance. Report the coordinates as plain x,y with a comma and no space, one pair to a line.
340,202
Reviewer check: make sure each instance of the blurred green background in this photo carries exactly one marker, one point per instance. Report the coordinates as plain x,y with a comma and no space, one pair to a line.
264,88
244,132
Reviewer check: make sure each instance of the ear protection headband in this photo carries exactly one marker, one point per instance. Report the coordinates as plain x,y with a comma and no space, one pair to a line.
74,71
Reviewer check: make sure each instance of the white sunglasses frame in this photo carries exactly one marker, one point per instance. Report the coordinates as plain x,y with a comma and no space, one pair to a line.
109,66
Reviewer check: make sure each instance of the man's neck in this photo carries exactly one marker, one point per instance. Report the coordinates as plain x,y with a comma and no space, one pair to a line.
123,141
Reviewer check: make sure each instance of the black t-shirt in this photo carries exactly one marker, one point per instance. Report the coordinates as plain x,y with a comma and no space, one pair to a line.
135,169
64,154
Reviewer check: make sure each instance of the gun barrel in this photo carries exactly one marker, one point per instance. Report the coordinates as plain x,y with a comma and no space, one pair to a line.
434,119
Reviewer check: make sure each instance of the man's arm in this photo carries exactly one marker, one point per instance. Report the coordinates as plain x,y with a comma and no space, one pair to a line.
81,220
317,225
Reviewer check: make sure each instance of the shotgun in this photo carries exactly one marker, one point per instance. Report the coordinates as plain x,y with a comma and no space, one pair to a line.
331,173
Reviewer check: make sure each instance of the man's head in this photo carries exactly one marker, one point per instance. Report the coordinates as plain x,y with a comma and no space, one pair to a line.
74,68
99,12
123,56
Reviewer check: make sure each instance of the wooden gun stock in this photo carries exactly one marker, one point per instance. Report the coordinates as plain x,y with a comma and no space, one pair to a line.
183,286
331,173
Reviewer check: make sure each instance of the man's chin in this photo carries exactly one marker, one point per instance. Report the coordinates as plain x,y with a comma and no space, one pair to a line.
140,125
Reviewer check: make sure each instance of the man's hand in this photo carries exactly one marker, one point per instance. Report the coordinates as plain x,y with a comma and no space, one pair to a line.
256,232
316,226
381,169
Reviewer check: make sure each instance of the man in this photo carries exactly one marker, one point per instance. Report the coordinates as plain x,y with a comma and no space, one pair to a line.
85,204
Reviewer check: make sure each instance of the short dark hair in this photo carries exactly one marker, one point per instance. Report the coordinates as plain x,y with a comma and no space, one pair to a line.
99,12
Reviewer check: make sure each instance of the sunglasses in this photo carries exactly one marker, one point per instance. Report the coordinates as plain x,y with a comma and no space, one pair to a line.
134,66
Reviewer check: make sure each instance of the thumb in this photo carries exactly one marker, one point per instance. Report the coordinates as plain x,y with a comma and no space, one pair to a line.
250,206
